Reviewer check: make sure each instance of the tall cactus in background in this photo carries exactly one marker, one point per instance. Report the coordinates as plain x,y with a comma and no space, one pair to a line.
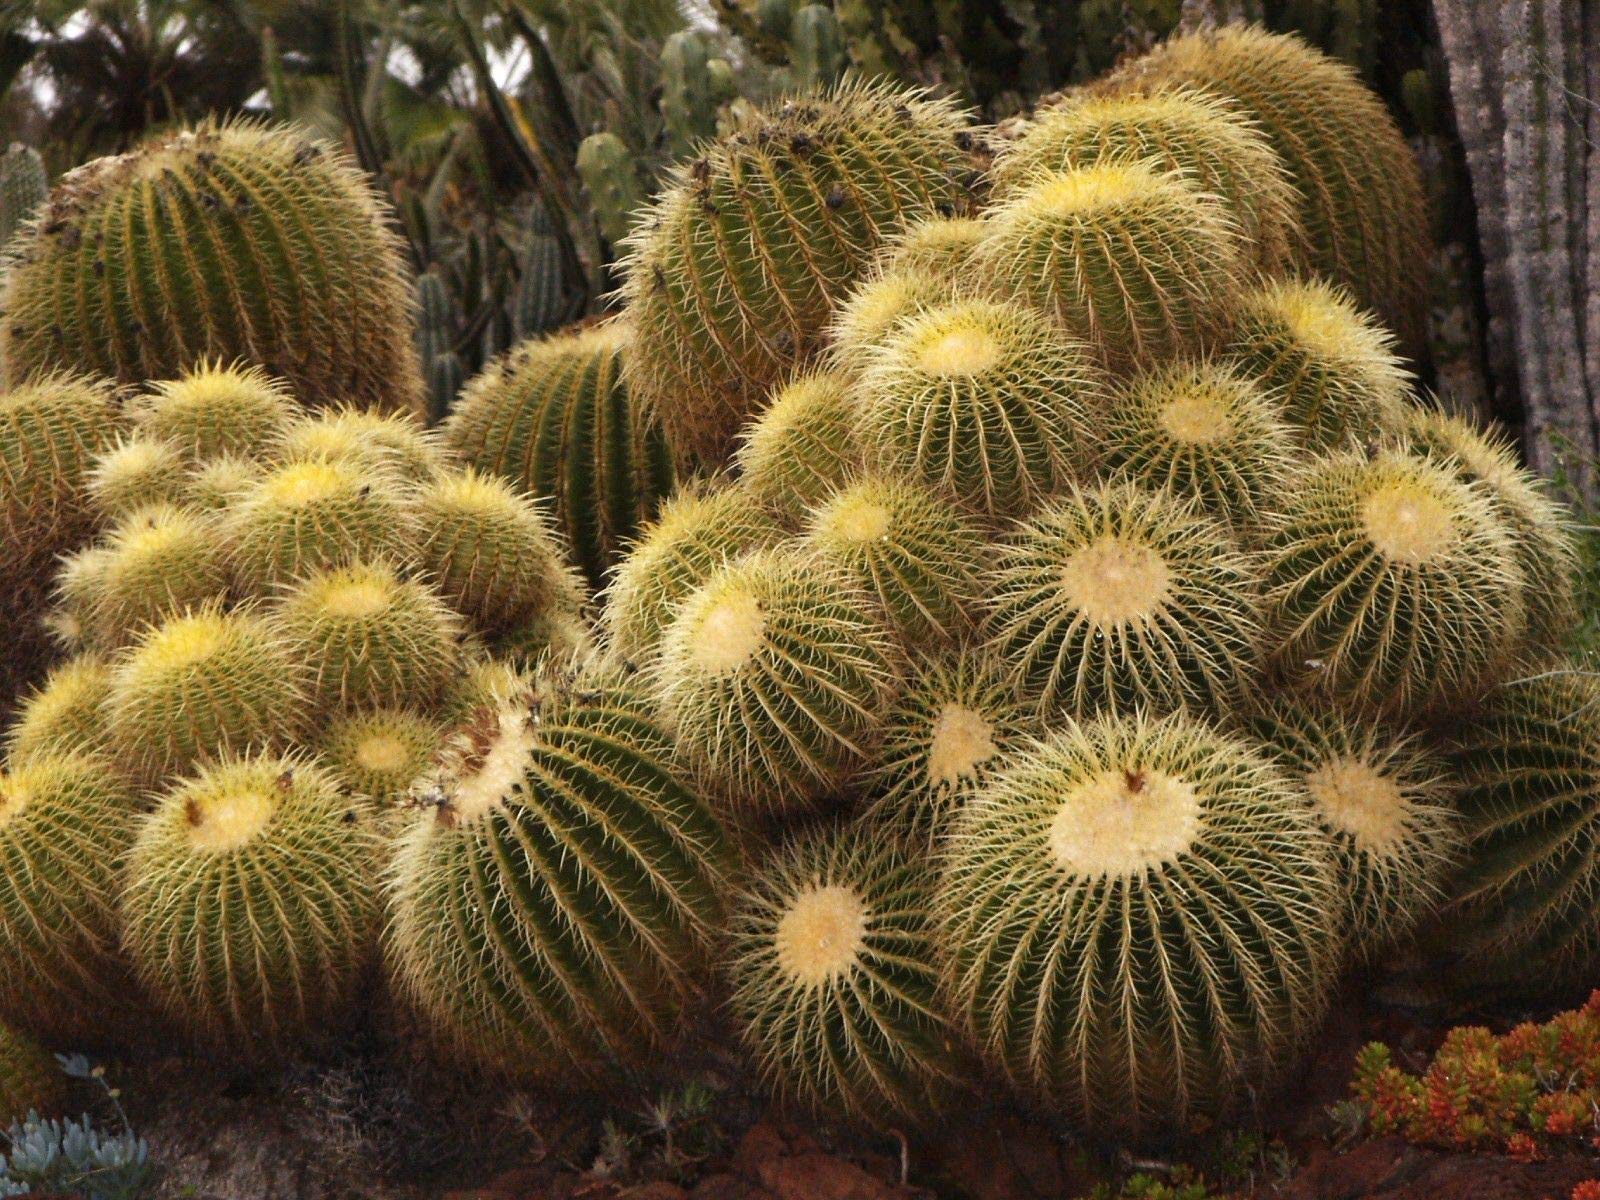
607,168
694,84
23,187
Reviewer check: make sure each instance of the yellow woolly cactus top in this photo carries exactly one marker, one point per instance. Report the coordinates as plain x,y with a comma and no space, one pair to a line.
962,741
230,813
1122,823
731,631
821,935
1409,522
1353,797
1116,580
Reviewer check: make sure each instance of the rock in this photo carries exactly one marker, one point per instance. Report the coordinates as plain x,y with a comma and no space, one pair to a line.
823,1177
1390,1169
657,1190
1001,1157
728,1187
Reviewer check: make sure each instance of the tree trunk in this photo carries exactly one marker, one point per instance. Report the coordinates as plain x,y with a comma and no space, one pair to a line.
1525,85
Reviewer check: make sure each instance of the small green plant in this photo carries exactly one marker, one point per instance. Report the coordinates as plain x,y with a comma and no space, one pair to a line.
74,1157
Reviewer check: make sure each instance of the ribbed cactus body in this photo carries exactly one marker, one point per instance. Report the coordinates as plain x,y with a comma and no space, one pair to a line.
395,442
266,245
30,1078
941,247
23,189
213,410
606,166
65,822
1525,899
983,399
1208,139
559,907
912,551
832,955
380,754
803,445
1121,599
1332,367
1362,218
64,713
1131,258
1136,913
555,418
1392,584
1388,802
732,274
250,902
773,678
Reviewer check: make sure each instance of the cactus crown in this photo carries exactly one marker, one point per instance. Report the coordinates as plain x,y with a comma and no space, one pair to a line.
214,410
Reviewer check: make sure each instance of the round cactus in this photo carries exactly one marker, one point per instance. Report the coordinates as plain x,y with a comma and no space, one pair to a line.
65,713
1142,921
1362,218
371,637
217,482
314,513
1207,432
1392,584
874,308
153,563
834,987
772,677
558,907
1388,803
380,754
956,722
1133,259
1332,368
554,417
199,684
1540,528
1525,900
802,446
30,1079
697,531
941,247
488,684
732,272
269,246
366,437
984,399
491,553
1119,598
1182,129
214,410
136,472
250,901
908,548
65,822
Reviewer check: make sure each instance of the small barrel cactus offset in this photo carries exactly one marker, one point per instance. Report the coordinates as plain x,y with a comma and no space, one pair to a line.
1524,908
1540,527
201,683
372,638
957,721
1207,432
1363,221
30,1078
380,754
699,529
136,472
491,553
1130,257
803,445
1331,366
731,275
250,902
832,955
874,309
1137,917
916,554
63,714
772,679
396,442
216,483
1387,801
269,245
65,822
1209,139
611,177
984,399
1121,599
942,247
23,189
558,906
554,417
214,410
1392,584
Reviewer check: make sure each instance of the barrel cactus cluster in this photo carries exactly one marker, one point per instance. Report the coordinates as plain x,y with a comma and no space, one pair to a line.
1041,637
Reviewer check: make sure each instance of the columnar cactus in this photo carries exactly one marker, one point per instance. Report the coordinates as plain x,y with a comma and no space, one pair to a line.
23,189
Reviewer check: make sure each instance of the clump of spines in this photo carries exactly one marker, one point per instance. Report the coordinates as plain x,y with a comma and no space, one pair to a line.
382,753
874,309
379,441
803,444
832,955
940,248
64,713
136,472
215,410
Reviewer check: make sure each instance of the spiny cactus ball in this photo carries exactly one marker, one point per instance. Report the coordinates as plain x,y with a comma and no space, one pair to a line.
66,820
268,247
941,247
803,444
731,274
558,907
136,472
1183,129
772,678
64,713
1131,258
1391,584
554,417
874,308
984,399
250,901
1388,803
1122,599
30,1079
217,482
1136,913
380,754
832,955
212,410
364,437
1332,367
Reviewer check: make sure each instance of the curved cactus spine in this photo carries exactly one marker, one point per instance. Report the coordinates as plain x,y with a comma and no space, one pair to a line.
24,187
65,713
213,410
874,310
803,444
